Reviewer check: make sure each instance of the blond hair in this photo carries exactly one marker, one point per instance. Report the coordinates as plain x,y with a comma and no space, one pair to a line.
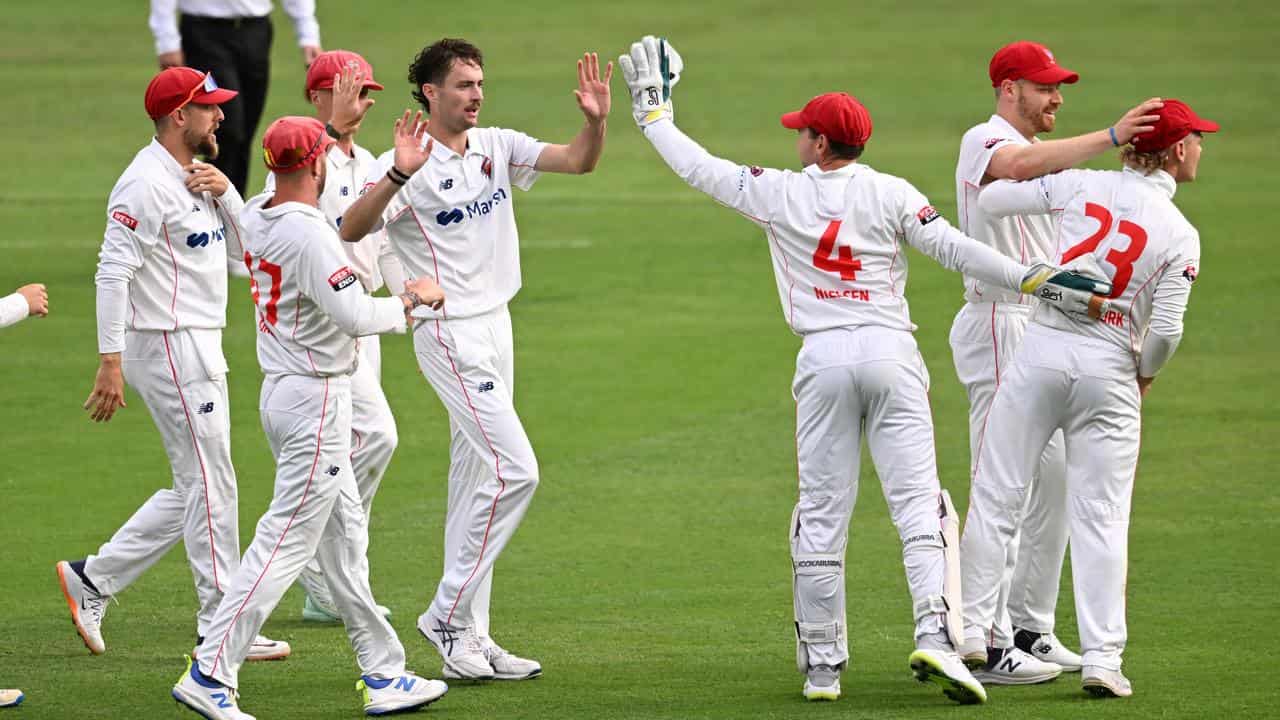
1144,162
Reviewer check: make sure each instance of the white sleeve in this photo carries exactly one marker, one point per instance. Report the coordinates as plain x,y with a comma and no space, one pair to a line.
394,275
229,205
1003,198
1168,306
976,150
930,233
305,26
164,25
753,191
331,284
134,223
13,309
522,156
378,169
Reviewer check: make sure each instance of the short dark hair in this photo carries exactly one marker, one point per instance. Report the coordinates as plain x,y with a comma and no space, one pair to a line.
432,65
839,149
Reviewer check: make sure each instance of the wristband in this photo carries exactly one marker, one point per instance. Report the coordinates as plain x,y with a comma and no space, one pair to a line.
332,131
391,175
414,298
1114,140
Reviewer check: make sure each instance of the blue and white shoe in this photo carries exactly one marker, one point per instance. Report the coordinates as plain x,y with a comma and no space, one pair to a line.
209,698
383,696
11,698
459,646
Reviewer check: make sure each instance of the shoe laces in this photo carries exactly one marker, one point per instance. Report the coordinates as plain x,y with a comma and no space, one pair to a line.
96,607
493,651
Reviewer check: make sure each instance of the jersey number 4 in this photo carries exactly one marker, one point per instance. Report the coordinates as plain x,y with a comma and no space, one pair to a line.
271,311
1122,260
832,259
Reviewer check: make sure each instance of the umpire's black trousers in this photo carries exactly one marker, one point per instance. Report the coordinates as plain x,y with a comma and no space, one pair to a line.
238,53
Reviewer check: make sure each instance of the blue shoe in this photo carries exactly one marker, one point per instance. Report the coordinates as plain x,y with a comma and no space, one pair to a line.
209,698
383,696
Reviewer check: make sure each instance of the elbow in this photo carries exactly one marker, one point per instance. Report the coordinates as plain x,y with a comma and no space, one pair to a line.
1022,169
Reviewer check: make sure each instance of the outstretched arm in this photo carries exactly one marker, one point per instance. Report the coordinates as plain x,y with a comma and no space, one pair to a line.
583,152
1022,162
410,155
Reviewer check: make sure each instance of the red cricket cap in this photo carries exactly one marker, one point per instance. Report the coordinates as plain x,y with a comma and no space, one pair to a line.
327,64
839,116
291,142
1177,120
1025,60
175,87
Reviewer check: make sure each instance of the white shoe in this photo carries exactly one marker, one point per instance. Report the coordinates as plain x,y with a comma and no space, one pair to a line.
1012,666
973,653
11,698
383,696
460,647
946,669
507,666
264,648
87,607
323,611
822,682
207,697
1047,647
1105,683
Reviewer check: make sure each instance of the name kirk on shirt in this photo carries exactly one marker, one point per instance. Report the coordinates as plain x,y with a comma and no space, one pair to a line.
849,293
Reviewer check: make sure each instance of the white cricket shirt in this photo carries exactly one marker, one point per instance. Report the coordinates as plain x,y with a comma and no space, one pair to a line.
1128,221
310,305
163,263
344,184
1025,238
454,221
835,237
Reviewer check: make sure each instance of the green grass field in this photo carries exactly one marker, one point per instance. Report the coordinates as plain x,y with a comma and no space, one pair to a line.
651,576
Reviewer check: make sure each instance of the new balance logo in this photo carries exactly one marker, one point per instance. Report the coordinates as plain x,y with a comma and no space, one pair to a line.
405,683
195,208
224,701
486,386
345,191
332,471
446,184
205,408
447,637
452,216
1008,665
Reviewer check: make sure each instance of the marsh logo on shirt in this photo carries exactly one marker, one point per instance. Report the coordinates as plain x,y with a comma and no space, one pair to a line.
927,215
476,209
342,279
124,219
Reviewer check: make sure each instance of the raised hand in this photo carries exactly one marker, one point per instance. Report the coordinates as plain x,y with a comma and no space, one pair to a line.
204,177
349,108
1138,120
410,153
650,70
593,91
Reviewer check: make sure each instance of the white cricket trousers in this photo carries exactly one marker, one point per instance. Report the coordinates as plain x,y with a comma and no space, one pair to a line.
1087,388
315,512
493,471
373,442
181,377
984,337
851,381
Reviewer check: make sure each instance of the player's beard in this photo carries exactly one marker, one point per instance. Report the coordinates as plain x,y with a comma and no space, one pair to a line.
1035,115
203,144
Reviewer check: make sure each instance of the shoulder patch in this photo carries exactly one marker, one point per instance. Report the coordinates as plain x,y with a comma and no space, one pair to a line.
756,171
1191,272
124,219
342,279
992,142
927,215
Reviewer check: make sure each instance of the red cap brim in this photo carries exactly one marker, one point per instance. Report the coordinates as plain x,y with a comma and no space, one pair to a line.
372,85
1053,75
217,97
1204,126
794,120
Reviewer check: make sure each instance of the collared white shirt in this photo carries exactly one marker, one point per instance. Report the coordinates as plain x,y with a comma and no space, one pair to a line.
1128,221
836,236
1025,238
163,263
309,304
344,184
164,17
454,221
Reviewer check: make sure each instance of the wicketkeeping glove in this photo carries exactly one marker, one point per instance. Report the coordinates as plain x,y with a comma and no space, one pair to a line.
1079,288
651,70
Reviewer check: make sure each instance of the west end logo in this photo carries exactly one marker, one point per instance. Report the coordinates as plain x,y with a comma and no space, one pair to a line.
475,209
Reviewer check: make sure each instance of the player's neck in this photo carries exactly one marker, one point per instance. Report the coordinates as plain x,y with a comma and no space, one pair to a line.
455,141
834,163
178,149
304,193
1010,116
346,145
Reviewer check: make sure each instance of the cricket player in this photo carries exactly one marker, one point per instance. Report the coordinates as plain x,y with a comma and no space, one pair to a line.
162,300
1086,378
836,232
1027,79
24,302
338,86
454,221
310,308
